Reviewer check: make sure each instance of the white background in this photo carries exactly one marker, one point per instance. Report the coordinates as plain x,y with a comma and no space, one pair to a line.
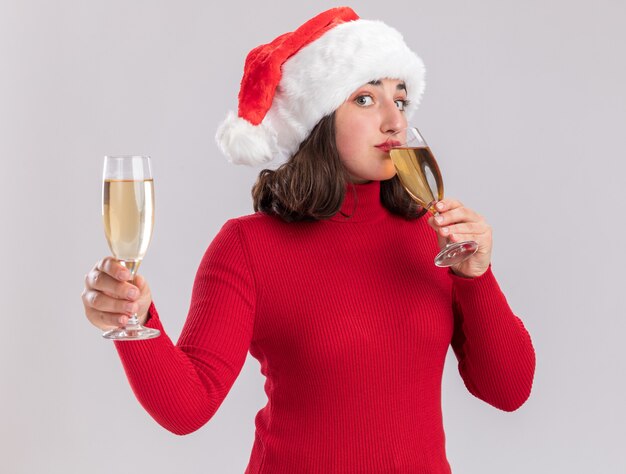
525,109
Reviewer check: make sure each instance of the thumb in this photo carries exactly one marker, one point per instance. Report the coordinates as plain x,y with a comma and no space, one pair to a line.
140,282
442,241
431,222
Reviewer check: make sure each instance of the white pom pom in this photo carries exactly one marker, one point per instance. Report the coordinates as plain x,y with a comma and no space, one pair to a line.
244,143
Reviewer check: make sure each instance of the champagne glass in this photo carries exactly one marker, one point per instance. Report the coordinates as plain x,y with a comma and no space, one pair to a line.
128,213
419,174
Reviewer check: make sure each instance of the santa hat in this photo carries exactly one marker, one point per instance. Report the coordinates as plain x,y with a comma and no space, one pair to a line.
290,84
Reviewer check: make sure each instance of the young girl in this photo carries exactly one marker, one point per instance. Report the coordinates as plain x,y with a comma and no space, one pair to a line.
330,284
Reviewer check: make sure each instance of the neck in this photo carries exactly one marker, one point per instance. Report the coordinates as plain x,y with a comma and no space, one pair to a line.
361,203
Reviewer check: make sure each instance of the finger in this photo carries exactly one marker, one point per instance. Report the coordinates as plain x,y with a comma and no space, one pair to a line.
477,228
99,301
457,215
483,240
113,268
448,204
441,238
106,321
100,281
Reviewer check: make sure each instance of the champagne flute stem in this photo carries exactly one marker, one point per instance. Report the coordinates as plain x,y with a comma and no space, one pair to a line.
132,266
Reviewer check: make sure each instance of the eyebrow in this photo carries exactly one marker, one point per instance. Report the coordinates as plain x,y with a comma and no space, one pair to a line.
401,86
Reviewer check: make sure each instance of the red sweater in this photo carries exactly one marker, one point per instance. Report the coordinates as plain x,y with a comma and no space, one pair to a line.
350,321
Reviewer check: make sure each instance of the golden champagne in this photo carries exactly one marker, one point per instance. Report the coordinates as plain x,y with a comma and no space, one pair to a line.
128,212
419,174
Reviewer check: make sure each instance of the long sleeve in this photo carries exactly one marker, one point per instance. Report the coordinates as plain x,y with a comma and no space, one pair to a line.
494,350
183,385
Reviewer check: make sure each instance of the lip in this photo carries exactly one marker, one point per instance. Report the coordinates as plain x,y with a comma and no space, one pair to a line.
388,145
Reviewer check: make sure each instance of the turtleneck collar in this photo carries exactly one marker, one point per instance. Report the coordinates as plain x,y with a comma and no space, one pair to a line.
361,204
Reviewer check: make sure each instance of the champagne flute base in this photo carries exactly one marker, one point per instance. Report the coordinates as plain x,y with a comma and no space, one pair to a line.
455,253
133,333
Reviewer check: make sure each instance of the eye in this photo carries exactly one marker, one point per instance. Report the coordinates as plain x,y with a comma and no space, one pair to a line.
402,104
364,100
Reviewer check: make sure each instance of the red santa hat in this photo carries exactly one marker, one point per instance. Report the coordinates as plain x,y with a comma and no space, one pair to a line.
290,84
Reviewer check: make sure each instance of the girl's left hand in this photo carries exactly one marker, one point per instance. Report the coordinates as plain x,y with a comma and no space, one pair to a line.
456,223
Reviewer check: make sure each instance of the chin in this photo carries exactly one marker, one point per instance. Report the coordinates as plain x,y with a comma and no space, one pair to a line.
387,173
381,172
382,175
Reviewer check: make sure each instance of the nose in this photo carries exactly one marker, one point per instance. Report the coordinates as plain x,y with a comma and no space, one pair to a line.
393,118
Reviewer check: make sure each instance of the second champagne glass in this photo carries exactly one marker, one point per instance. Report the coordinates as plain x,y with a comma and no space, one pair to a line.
419,174
128,213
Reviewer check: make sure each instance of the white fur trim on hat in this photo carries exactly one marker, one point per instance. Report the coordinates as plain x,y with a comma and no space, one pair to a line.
244,143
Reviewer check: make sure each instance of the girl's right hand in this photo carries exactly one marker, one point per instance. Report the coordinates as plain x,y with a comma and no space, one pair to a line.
110,299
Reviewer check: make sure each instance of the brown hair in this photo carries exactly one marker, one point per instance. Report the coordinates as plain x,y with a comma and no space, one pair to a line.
311,185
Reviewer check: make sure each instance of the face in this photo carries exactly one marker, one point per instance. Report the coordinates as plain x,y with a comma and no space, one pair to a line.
363,123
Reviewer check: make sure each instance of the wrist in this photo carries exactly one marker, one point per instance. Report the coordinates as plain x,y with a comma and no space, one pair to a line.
460,274
143,318
474,274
